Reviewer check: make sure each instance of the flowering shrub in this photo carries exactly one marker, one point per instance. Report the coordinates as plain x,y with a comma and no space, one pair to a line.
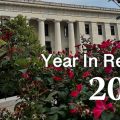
18,45
56,93
7,78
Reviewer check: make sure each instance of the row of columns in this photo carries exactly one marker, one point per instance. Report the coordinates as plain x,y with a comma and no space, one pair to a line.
71,33
58,42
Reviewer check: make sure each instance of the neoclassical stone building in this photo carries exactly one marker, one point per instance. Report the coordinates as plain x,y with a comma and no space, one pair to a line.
59,26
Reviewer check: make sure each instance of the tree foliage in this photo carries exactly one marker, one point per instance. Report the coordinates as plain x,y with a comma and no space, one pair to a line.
18,45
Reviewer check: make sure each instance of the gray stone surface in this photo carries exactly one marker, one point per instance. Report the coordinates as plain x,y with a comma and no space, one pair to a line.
9,103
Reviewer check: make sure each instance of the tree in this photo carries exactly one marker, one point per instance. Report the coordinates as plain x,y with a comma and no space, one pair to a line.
18,45
24,36
116,2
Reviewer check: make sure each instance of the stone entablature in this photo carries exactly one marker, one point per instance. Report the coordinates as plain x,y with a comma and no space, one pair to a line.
63,5
60,11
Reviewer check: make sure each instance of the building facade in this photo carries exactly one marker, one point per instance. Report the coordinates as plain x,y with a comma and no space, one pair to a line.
60,26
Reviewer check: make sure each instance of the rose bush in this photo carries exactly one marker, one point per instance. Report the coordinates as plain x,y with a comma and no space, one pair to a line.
7,78
63,93
56,93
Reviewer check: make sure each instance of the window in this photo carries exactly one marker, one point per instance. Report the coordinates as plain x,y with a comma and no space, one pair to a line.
100,30
87,30
46,30
66,31
48,46
67,49
112,27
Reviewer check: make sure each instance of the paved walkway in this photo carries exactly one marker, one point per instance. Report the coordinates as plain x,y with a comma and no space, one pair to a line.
9,103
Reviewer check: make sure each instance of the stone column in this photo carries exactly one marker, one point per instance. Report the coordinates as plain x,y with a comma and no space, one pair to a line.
78,41
58,44
118,31
41,32
107,31
94,33
71,35
80,32
81,26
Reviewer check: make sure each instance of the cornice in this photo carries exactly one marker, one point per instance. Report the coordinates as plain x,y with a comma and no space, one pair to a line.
52,5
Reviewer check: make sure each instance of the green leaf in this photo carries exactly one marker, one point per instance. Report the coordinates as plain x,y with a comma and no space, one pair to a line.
54,117
2,42
38,78
50,96
54,110
107,116
2,53
22,62
23,70
62,94
61,113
